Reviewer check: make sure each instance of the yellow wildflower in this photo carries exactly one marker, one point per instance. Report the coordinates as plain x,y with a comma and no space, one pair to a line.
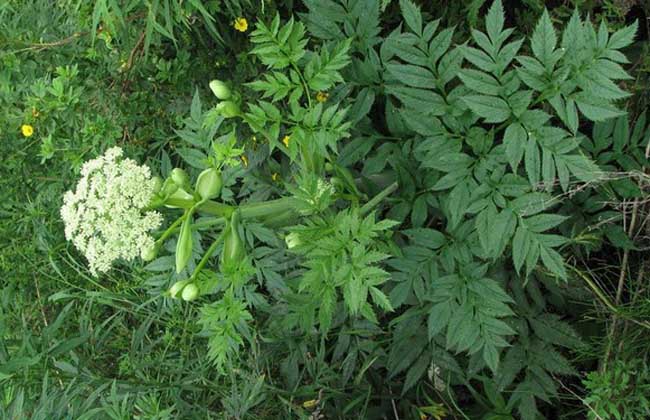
244,160
27,130
285,140
322,96
35,112
241,24
436,411
275,177
310,404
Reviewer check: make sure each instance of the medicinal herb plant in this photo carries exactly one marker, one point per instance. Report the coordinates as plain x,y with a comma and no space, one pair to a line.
381,215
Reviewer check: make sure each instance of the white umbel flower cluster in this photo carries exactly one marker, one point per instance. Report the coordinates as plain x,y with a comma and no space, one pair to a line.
104,216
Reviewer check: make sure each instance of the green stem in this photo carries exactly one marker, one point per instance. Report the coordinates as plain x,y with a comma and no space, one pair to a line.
268,208
211,207
599,293
378,198
207,256
171,229
248,211
276,212
208,223
304,83
605,300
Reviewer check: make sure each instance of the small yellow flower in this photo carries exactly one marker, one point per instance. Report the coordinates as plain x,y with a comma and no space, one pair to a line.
35,112
275,177
322,96
244,160
27,130
310,404
285,140
240,24
436,411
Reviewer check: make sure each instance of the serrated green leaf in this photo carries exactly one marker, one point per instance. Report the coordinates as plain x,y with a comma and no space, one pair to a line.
326,309
438,318
623,37
416,371
412,15
515,139
492,109
381,299
480,82
532,161
491,356
413,76
520,246
582,167
543,222
478,58
544,40
531,203
597,110
424,101
494,20
450,64
553,261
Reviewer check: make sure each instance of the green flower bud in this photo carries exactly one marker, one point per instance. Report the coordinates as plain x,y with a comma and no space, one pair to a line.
157,198
293,240
228,109
184,244
176,288
168,187
336,182
180,177
179,194
190,292
233,246
157,184
149,253
208,184
220,89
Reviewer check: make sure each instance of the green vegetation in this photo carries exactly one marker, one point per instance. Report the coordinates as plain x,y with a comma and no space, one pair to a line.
334,209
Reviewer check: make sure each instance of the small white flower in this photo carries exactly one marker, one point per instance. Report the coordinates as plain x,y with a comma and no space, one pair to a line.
104,215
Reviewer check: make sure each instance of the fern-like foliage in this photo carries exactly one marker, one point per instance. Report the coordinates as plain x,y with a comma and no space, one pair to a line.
470,307
296,77
341,255
279,47
225,323
496,89
496,127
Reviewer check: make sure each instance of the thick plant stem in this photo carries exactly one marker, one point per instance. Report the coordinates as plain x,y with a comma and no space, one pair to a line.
277,212
248,211
374,201
211,207
269,208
